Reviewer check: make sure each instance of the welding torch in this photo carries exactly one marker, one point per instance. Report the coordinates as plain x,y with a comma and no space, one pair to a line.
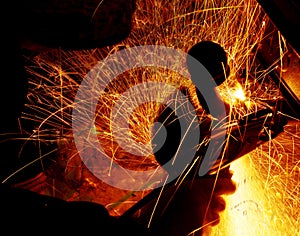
250,131
242,136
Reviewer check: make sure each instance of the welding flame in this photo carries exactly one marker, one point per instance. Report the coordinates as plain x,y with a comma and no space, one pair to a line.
239,94
239,97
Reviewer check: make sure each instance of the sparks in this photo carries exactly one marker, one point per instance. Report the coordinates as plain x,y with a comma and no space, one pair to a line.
269,204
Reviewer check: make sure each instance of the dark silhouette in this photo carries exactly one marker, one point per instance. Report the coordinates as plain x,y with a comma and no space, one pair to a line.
194,203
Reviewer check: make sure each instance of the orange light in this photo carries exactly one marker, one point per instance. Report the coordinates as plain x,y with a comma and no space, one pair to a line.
238,93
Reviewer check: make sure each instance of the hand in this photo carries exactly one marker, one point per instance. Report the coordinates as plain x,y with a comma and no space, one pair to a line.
194,205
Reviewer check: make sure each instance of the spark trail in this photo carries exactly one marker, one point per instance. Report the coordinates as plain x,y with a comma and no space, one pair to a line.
267,200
